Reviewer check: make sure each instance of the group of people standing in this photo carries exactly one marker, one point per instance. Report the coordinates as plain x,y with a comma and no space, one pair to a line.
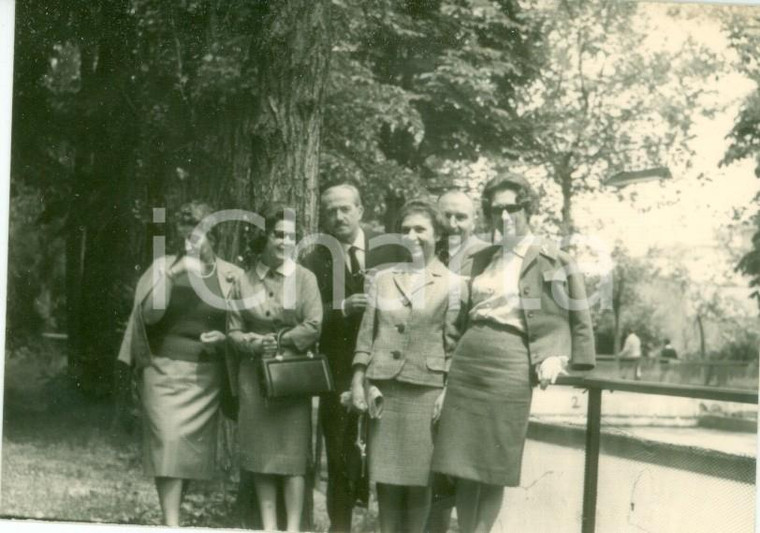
446,332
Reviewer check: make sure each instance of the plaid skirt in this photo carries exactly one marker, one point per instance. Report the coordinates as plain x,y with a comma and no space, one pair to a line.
484,421
400,446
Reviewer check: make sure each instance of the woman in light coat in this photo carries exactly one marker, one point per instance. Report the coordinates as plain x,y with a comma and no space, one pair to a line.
407,336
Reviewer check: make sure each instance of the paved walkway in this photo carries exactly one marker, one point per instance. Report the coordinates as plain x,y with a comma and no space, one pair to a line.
659,418
633,497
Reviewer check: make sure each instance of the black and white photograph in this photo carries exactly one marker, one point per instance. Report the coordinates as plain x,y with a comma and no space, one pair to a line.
389,266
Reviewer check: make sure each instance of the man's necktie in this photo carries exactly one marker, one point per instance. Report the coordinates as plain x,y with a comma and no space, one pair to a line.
444,256
354,261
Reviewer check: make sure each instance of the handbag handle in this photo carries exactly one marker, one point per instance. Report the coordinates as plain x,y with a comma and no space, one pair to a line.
282,332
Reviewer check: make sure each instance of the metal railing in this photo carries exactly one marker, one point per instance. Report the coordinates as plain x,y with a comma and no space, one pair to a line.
595,387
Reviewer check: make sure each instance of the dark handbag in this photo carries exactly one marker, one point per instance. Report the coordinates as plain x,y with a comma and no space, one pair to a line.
293,374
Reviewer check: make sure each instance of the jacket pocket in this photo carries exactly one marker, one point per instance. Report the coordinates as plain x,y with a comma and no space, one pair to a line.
554,275
383,366
436,363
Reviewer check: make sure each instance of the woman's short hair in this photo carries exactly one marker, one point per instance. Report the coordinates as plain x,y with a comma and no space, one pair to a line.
192,213
526,196
273,213
422,207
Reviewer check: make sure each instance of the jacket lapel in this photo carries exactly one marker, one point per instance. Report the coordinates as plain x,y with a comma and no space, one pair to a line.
530,257
226,277
401,283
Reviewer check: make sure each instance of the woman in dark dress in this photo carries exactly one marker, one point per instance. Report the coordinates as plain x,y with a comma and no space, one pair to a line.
528,317
276,296
175,337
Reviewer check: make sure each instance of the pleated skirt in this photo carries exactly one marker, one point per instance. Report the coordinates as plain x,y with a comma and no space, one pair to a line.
400,447
484,422
180,401
274,435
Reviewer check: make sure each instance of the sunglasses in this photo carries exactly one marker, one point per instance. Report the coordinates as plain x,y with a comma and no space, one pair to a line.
278,234
497,210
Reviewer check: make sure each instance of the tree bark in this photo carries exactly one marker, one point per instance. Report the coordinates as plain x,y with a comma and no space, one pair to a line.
293,52
702,347
98,244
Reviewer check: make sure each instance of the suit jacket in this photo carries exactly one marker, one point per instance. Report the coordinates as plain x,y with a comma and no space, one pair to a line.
339,332
554,305
409,330
461,261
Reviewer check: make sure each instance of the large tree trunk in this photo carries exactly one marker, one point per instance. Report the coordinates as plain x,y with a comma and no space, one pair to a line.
292,53
702,346
98,244
280,141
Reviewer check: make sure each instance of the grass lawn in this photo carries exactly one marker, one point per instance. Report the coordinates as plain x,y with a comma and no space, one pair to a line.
63,458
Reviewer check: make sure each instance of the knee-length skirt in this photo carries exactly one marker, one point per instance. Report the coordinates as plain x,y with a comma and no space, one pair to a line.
180,401
484,422
400,447
274,435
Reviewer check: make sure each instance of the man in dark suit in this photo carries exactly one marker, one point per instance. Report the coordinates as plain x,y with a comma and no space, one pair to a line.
346,264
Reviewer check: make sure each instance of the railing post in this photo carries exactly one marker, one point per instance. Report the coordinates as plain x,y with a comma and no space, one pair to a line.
591,475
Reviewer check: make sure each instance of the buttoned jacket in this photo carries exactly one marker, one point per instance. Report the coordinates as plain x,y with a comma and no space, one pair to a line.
553,301
412,324
338,338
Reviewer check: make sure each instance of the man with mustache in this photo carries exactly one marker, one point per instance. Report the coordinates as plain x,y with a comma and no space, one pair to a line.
341,213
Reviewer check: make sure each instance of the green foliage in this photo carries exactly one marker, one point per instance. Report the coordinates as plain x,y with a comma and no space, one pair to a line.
35,268
631,309
745,135
741,344
606,100
749,264
415,82
127,105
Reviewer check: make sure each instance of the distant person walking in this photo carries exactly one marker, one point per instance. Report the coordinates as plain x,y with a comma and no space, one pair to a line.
175,338
632,350
668,352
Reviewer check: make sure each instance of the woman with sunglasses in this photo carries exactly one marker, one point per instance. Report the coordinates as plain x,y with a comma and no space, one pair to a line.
175,338
276,308
528,317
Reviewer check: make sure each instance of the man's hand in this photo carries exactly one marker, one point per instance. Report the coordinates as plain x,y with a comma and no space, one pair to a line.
550,369
356,303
